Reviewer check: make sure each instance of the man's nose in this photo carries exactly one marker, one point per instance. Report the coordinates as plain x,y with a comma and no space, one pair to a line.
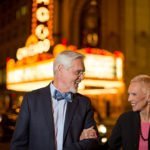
82,76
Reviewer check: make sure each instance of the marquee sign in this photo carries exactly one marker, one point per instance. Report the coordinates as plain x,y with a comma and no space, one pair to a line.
42,30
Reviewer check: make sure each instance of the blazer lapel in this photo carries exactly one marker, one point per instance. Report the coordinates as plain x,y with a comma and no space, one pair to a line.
47,109
71,107
136,129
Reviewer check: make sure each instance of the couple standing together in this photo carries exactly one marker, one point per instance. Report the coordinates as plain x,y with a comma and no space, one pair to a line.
56,117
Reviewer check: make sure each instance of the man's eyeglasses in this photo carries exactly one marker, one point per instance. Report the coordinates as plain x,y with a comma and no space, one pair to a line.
79,73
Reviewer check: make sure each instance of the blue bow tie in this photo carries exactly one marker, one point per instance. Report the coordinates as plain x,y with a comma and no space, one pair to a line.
60,96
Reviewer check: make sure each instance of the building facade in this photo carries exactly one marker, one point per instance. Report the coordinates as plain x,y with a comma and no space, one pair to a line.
113,25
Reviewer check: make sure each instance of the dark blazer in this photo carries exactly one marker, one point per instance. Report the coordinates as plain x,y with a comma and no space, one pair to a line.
126,132
35,125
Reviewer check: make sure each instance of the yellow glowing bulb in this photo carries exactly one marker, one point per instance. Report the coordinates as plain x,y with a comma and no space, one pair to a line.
41,31
42,14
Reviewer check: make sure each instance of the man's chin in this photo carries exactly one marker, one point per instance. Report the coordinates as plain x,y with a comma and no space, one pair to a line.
73,90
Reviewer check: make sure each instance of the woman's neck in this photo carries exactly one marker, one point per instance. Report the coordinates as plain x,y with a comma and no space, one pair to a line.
145,114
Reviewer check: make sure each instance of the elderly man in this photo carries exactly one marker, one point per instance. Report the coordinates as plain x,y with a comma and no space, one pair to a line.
53,117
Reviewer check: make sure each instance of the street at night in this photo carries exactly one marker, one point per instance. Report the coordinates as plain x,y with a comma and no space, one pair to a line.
47,47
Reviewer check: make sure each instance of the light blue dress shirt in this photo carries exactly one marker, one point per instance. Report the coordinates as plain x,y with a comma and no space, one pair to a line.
59,112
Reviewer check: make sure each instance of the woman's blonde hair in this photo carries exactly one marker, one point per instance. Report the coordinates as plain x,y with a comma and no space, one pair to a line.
144,81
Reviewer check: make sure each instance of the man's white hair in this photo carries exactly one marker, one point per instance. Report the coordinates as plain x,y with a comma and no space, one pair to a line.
65,58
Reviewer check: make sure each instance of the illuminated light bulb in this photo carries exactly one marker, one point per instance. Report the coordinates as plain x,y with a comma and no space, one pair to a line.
102,129
46,2
42,14
104,140
21,52
41,31
46,45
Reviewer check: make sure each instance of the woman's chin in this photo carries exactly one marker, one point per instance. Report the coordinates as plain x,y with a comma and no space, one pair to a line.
134,109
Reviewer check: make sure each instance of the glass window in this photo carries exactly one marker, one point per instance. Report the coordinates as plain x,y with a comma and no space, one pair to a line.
24,10
90,25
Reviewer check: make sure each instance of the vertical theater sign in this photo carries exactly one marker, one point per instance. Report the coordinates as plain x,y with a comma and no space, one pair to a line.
41,37
103,81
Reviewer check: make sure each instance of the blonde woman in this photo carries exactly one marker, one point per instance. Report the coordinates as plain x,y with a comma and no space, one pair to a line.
132,130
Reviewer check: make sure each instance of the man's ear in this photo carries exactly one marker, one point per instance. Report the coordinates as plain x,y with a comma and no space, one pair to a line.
60,67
